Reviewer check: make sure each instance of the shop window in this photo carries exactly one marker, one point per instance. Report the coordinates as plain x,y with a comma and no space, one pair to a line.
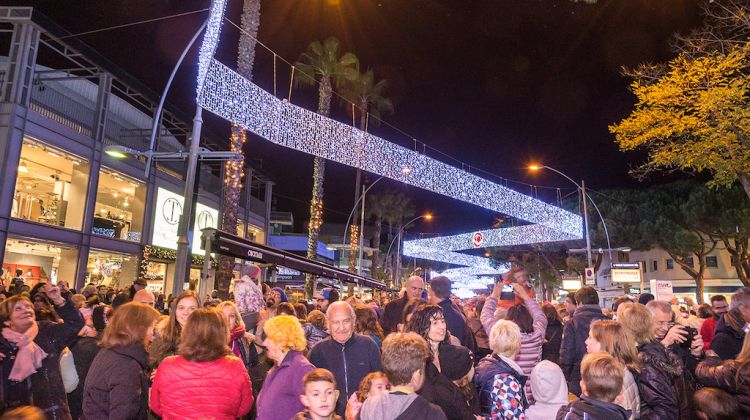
40,261
111,269
156,273
51,186
119,206
712,261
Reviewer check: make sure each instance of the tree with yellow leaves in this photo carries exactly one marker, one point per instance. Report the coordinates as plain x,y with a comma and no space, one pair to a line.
693,114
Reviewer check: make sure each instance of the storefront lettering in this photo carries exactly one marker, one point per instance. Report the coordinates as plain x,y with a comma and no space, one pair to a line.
254,254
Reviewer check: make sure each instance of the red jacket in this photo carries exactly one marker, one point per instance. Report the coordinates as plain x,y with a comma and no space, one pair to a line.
219,389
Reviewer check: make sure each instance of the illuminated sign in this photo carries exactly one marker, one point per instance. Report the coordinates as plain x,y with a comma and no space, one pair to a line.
626,275
168,211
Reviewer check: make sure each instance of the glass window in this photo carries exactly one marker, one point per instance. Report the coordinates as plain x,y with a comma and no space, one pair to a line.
256,234
670,264
712,261
156,272
40,261
689,261
111,269
655,265
119,206
51,186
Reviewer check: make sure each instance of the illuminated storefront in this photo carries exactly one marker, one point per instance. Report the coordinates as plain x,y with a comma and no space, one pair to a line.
120,202
111,269
51,186
40,261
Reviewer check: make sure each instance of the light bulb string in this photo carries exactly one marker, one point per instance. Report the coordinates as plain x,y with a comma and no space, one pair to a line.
425,146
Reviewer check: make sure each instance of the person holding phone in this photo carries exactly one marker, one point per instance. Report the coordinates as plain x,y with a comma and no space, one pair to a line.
516,275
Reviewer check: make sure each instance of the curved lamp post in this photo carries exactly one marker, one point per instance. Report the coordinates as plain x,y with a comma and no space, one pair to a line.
427,216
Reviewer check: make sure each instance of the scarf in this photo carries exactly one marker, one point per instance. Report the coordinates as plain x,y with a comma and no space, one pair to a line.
236,335
30,355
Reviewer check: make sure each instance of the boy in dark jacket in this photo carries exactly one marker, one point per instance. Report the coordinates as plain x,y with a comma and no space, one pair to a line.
575,333
404,356
601,384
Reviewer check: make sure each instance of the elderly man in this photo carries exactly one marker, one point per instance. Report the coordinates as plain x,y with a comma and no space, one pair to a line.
731,328
440,293
350,357
672,335
394,311
145,297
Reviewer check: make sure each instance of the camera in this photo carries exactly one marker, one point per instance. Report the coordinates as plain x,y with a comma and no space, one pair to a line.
691,333
507,288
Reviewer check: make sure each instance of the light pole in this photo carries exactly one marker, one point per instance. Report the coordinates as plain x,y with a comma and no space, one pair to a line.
427,216
584,196
196,153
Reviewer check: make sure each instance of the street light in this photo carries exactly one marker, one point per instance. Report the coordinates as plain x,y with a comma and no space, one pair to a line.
427,217
196,153
582,187
406,170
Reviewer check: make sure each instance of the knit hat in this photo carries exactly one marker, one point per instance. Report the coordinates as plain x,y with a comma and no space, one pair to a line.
324,294
281,292
455,361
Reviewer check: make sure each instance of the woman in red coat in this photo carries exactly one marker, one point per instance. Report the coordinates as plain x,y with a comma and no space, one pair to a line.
204,380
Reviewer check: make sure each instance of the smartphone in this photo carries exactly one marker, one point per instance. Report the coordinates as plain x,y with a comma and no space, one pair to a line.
507,293
507,288
681,300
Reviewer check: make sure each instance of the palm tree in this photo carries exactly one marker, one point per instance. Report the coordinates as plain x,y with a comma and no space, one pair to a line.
402,211
321,63
380,207
367,95
233,171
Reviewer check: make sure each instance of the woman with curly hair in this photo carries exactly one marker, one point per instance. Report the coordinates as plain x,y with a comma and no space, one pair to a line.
169,329
429,322
367,324
285,342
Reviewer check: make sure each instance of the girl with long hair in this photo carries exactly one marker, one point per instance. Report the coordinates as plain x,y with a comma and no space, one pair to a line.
168,330
610,337
367,324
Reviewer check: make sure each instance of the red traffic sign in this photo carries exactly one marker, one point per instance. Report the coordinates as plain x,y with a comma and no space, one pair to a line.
477,239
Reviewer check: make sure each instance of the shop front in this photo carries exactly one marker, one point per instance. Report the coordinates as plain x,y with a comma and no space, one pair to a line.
107,268
40,261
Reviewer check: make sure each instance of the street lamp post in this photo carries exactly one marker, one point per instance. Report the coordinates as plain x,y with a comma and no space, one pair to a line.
195,154
398,236
586,198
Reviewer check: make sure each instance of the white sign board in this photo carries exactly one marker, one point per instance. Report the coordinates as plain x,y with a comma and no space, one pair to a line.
571,285
167,218
662,290
626,275
590,276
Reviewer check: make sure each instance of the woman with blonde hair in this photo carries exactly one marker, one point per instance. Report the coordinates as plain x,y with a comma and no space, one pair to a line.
240,341
610,337
212,383
499,379
169,329
663,386
116,384
285,342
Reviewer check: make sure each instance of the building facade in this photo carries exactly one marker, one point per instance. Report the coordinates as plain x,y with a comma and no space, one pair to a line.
69,211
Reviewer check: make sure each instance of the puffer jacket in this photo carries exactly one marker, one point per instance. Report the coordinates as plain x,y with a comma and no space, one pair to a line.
531,343
665,389
712,372
45,387
219,389
588,409
573,347
116,384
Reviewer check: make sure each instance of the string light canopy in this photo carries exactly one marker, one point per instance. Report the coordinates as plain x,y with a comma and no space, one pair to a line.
227,94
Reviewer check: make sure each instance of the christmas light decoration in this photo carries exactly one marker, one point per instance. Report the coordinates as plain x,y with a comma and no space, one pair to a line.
353,246
227,94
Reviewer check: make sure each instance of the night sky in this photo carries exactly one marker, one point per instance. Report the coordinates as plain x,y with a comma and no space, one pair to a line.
493,84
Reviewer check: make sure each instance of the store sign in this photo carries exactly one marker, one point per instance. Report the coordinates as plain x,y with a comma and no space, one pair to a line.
167,219
626,275
571,281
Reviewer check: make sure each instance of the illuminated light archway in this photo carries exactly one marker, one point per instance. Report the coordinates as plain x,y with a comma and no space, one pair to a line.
225,93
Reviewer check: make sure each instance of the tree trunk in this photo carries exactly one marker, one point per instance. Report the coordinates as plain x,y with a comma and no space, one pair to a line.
745,181
739,253
250,20
316,202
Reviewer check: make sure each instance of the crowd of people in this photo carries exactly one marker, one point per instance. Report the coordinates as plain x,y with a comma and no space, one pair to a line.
423,355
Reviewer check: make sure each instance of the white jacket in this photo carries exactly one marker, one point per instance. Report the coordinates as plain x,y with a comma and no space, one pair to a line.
550,391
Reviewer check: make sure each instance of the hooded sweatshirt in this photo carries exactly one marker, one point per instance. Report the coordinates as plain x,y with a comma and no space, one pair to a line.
550,391
401,406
